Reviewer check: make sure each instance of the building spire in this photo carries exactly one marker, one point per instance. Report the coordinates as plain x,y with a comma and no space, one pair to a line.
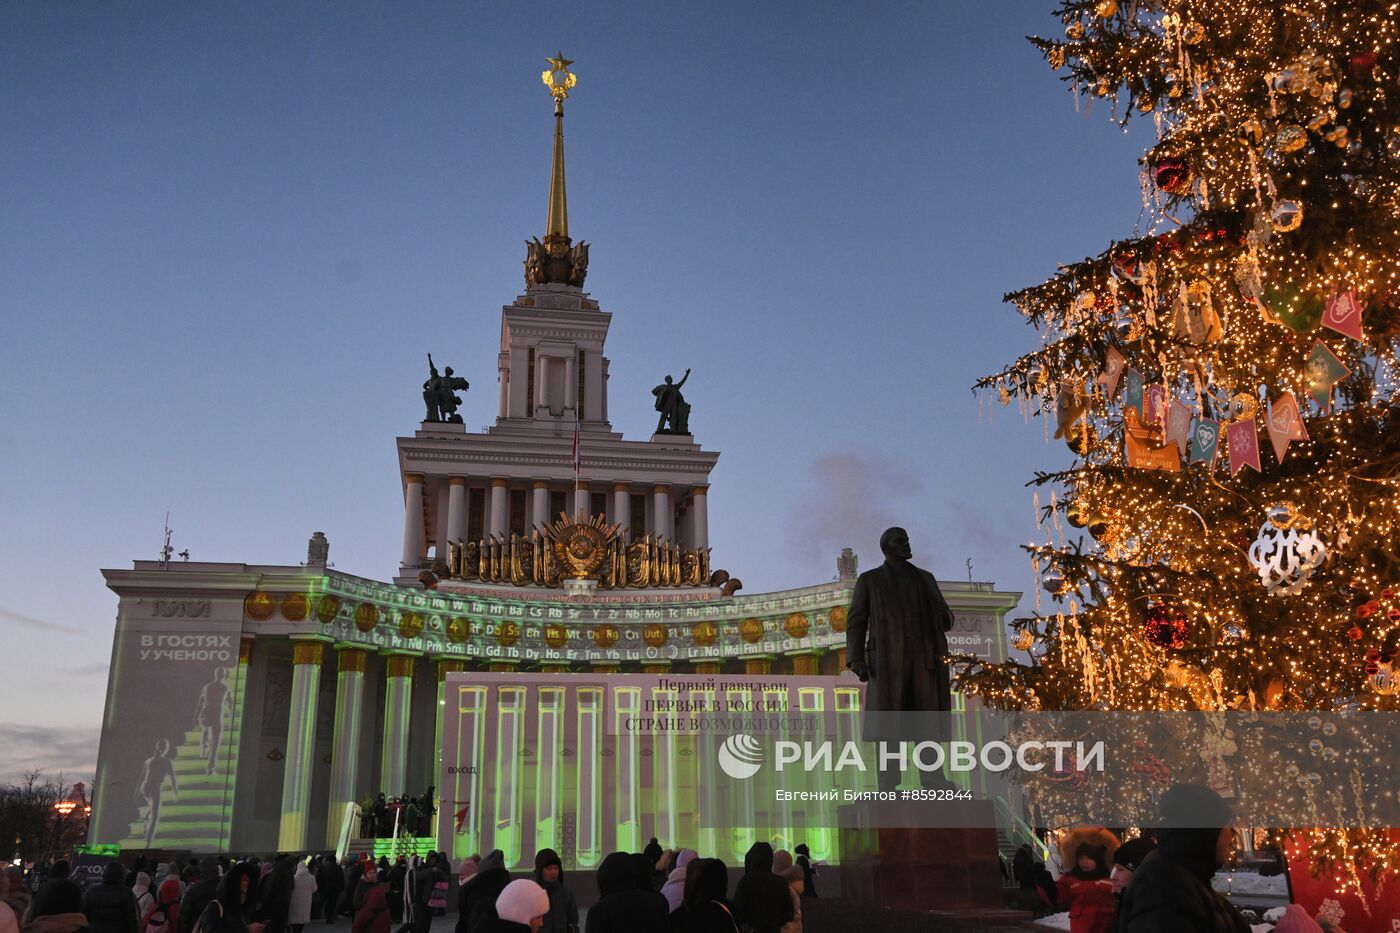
556,260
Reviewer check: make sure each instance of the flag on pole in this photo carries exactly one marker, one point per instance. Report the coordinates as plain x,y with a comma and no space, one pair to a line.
576,457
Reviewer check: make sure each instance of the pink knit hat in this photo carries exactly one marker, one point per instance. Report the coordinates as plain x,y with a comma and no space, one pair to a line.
1296,920
522,901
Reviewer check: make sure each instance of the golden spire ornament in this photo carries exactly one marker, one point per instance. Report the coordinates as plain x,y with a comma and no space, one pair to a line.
555,260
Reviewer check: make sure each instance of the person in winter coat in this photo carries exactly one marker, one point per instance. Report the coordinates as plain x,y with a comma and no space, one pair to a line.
303,892
761,898
373,915
1127,859
793,876
1171,890
276,895
229,911
520,908
164,913
110,907
198,895
674,888
625,904
425,882
351,876
563,909
145,896
9,920
476,900
705,909
57,885
396,877
17,897
809,871
64,913
1085,891
330,882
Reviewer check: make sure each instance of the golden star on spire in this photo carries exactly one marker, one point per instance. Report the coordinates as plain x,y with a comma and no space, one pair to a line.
558,78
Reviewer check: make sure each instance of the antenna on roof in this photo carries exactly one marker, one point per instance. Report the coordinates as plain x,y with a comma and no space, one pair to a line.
166,550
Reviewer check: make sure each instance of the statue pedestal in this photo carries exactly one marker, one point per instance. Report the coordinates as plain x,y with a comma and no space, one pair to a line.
921,868
580,589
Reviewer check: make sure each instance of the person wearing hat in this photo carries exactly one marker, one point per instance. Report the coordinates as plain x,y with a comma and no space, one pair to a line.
1171,890
563,909
809,871
520,907
476,900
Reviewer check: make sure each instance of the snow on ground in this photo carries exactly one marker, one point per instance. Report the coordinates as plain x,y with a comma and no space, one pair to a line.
1248,882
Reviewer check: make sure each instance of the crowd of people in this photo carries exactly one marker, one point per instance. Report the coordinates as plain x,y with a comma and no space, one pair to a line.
382,816
1158,881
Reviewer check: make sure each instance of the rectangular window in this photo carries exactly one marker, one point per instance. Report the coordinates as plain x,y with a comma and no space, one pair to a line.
517,511
580,409
598,503
530,385
558,502
639,517
476,514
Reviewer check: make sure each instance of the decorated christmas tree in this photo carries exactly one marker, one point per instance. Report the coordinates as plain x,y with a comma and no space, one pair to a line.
1226,537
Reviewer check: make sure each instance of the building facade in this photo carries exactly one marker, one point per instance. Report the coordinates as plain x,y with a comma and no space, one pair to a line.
248,704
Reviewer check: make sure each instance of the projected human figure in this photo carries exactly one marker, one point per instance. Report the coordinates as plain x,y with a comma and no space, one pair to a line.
157,768
209,715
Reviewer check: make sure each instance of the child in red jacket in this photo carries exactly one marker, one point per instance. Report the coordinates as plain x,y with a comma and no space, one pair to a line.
1085,891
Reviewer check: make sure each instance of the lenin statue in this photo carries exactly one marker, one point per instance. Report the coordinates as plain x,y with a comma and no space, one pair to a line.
896,641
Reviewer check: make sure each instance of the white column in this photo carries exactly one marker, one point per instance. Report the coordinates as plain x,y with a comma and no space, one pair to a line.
593,385
456,510
440,526
700,518
500,509
301,744
414,535
398,692
683,525
345,746
540,505
603,388
663,519
503,378
571,383
622,507
541,381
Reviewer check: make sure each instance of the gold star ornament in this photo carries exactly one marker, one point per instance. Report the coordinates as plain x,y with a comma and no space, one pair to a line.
557,77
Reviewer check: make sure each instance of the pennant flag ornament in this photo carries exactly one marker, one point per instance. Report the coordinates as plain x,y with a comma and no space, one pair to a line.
1324,372
1343,315
1113,363
1132,390
1205,442
1285,423
1155,404
1243,440
1179,425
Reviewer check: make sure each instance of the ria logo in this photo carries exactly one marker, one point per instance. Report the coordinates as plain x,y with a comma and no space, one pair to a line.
740,756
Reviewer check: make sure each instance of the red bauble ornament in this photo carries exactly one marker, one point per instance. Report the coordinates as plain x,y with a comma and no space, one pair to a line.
1366,610
1355,633
1172,174
1164,627
1362,63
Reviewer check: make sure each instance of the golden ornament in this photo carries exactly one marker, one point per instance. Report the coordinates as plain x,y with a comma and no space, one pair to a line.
1243,406
837,617
507,633
1290,138
327,608
459,629
654,636
796,625
295,607
1193,34
366,617
605,636
1076,514
704,633
1106,8
751,630
410,624
1024,640
555,635
1075,31
259,606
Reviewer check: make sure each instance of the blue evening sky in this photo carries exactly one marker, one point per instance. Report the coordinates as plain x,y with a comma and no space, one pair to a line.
230,232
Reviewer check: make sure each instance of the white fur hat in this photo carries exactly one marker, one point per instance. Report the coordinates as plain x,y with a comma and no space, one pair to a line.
522,901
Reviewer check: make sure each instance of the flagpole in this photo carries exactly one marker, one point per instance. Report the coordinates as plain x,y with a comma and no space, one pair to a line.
577,460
